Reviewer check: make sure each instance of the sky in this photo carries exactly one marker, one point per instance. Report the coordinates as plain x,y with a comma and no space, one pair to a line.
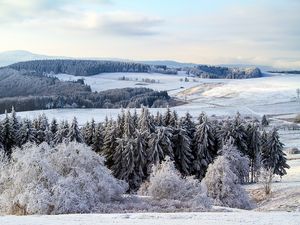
259,32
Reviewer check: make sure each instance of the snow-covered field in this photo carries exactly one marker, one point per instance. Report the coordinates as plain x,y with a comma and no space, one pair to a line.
272,94
212,218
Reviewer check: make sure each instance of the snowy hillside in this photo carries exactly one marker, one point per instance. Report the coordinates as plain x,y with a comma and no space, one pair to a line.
220,97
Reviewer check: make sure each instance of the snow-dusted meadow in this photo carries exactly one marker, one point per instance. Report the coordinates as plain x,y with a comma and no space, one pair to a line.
271,94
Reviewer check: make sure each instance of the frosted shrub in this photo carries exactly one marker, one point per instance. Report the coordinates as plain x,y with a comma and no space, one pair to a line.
239,164
223,185
69,178
166,183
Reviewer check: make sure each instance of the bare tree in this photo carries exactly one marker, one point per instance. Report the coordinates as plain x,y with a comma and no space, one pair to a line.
266,178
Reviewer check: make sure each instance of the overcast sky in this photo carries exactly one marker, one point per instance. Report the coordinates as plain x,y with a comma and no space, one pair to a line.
200,31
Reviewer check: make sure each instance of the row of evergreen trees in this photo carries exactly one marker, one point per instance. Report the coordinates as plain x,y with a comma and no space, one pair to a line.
134,142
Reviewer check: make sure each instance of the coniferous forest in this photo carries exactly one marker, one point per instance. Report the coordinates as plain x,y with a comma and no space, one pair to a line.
133,142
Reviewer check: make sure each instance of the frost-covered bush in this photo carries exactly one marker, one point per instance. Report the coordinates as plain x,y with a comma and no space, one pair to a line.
223,185
69,178
166,183
239,164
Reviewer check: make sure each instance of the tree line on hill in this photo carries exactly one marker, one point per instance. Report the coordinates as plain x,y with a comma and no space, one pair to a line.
204,71
88,67
133,142
30,91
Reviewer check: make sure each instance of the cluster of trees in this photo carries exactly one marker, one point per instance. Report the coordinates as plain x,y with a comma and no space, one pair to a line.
286,71
29,91
87,67
132,143
204,71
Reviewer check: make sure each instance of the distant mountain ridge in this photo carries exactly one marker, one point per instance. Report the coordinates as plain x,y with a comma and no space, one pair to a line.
10,57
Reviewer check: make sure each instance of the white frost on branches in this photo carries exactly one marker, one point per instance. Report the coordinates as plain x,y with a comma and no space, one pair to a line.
69,178
166,183
223,185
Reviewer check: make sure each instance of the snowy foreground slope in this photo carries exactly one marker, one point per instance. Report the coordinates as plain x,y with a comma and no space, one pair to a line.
229,218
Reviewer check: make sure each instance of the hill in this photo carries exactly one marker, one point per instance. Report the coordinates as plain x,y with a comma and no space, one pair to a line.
31,91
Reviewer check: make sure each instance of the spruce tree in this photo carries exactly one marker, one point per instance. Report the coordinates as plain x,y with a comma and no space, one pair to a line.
88,132
264,121
273,156
160,145
7,135
27,133
61,134
187,123
234,130
182,151
204,147
128,128
167,117
97,142
158,120
53,126
74,133
173,120
15,127
145,122
254,150
110,143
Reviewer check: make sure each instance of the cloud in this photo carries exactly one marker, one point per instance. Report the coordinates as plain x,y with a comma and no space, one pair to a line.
121,23
67,14
15,11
